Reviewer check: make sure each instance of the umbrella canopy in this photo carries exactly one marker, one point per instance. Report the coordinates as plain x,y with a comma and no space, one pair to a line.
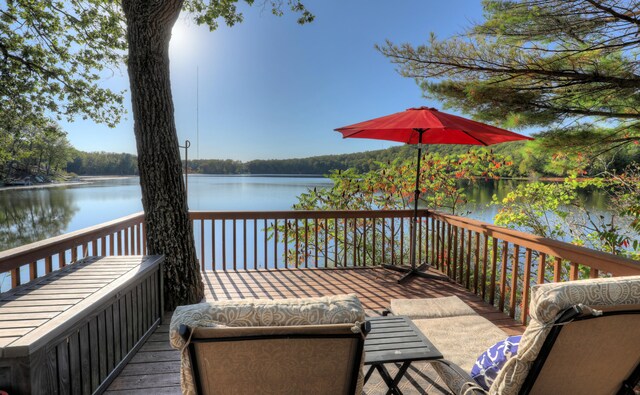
435,127
424,125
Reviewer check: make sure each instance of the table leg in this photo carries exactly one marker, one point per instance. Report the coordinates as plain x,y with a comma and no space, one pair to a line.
384,373
369,373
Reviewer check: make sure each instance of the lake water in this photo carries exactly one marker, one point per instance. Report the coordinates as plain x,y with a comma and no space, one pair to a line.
28,215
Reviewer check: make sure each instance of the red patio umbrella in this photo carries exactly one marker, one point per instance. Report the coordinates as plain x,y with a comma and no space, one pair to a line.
424,125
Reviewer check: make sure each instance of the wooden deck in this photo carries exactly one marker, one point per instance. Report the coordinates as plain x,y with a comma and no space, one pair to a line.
155,368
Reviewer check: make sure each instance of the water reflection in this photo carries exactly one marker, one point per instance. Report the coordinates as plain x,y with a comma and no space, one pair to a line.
37,214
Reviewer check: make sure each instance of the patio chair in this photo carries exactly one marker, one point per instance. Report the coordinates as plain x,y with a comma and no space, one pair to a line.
288,346
582,338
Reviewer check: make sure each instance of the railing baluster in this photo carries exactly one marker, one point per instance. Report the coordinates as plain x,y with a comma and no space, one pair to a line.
541,267
383,229
514,281
485,253
419,246
255,244
266,244
573,271
392,241
364,243
355,243
326,242
494,270
213,244
335,241
111,247
375,246
103,246
15,277
450,268
202,249
306,243
286,243
525,287
244,244
433,260
557,269
457,246
402,261
476,267
62,259
275,242
48,265
593,273
33,270
224,244
316,246
235,247
297,244
503,274
467,279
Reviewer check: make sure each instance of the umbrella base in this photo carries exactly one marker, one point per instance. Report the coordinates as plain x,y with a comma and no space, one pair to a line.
418,271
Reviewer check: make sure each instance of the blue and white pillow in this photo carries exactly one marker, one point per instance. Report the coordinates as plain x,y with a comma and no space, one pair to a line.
489,363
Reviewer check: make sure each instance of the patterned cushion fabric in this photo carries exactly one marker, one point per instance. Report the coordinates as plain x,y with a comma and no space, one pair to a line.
491,361
547,301
337,309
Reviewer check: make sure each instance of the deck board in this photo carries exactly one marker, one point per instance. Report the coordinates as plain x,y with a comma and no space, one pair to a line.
155,368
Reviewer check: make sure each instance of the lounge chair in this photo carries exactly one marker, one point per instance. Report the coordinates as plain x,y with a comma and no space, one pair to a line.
289,346
583,338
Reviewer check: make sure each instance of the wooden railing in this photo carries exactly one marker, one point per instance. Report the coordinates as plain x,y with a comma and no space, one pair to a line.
124,236
304,239
498,264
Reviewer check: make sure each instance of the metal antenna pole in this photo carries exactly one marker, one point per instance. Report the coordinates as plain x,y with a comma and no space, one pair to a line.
197,112
186,146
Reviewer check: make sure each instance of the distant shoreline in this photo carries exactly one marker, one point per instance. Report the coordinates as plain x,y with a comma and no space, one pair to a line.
82,180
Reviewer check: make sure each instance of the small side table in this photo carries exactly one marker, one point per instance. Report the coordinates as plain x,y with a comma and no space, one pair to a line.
395,339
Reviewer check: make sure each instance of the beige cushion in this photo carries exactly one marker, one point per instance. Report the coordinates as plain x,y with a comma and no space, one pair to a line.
450,306
339,309
547,301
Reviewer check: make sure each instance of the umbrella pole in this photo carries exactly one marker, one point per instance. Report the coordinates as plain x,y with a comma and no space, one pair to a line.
416,271
414,233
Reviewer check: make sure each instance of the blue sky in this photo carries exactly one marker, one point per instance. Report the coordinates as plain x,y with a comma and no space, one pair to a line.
270,89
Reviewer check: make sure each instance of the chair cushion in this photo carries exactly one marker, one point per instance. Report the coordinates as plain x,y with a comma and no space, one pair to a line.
450,306
491,361
339,309
547,301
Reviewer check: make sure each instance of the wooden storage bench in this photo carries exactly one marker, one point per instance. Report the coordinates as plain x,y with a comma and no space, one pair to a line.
73,330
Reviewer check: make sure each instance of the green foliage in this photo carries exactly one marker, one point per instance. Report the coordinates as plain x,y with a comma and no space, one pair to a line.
38,149
538,208
558,211
390,186
53,55
566,65
102,163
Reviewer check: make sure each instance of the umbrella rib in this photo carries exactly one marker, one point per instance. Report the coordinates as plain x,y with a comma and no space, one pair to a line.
475,138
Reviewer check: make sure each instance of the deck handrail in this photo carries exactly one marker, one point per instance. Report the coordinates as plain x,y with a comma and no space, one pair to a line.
122,236
603,261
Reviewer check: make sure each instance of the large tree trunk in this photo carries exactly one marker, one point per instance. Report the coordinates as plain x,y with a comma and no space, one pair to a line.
168,228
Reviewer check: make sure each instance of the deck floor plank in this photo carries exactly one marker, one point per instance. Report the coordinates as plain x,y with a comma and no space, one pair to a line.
155,368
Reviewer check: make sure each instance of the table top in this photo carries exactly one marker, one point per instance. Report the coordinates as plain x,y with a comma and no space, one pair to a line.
397,339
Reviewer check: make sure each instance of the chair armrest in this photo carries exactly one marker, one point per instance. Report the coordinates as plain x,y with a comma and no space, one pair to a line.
458,380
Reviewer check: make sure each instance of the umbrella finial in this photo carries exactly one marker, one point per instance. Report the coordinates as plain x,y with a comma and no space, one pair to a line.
422,108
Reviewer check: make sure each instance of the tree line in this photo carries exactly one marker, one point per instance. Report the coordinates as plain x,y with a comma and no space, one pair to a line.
46,153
